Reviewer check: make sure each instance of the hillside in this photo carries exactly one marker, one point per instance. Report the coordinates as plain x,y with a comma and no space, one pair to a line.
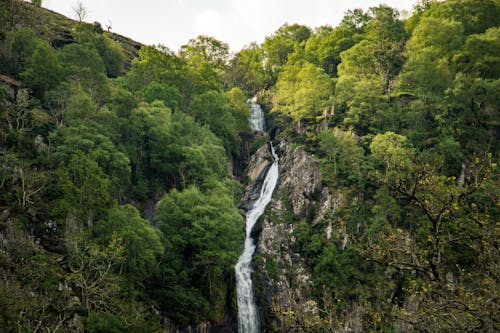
127,171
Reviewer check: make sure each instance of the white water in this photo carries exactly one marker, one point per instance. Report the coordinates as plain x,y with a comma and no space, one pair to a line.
256,115
248,317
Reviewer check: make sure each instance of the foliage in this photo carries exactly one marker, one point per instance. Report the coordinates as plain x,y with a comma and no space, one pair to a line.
85,188
140,241
303,90
201,232
87,151
280,45
43,71
344,158
117,195
412,144
246,70
208,49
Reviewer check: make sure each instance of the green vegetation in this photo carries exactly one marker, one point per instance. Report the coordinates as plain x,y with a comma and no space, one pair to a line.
86,151
409,133
116,193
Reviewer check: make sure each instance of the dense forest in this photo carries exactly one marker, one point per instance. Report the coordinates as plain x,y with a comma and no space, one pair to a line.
121,169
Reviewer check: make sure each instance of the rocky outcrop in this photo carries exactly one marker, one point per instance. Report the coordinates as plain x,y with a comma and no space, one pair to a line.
256,170
283,279
300,178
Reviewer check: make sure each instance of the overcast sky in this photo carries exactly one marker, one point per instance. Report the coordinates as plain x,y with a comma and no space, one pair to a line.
236,22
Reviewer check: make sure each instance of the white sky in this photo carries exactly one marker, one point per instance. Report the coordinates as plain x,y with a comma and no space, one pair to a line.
236,22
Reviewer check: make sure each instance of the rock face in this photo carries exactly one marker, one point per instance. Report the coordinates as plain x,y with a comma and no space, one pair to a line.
256,170
282,278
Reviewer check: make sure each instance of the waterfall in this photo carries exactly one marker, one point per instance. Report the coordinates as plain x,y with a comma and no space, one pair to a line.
256,115
248,317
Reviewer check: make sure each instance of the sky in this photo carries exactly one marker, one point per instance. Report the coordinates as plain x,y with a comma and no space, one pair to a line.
236,22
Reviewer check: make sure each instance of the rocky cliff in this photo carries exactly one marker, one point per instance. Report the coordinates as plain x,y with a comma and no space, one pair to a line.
282,277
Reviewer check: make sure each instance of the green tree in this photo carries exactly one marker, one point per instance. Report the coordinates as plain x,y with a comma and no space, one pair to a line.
368,71
140,241
360,88
152,64
77,57
480,55
238,101
208,49
475,15
112,55
85,189
85,68
43,71
441,244
324,46
282,43
303,90
99,147
17,48
394,151
426,73
246,70
213,109
202,239
345,162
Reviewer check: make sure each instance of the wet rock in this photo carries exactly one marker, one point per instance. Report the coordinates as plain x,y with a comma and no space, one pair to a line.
257,168
284,279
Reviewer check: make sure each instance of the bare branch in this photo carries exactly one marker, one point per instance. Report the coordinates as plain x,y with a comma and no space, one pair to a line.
80,11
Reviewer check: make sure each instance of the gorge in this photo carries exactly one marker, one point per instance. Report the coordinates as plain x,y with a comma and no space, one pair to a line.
140,191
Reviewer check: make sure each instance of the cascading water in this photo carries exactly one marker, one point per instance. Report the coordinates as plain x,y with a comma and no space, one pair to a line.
256,115
248,317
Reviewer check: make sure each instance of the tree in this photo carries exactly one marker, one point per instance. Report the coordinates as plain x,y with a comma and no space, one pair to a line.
480,55
17,48
93,268
20,180
426,73
246,70
19,114
152,64
384,24
76,57
324,46
355,19
278,46
238,101
85,189
112,55
57,102
140,241
443,245
368,71
80,11
213,109
475,15
394,151
345,160
85,68
43,71
209,49
202,239
303,90
473,111
88,141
